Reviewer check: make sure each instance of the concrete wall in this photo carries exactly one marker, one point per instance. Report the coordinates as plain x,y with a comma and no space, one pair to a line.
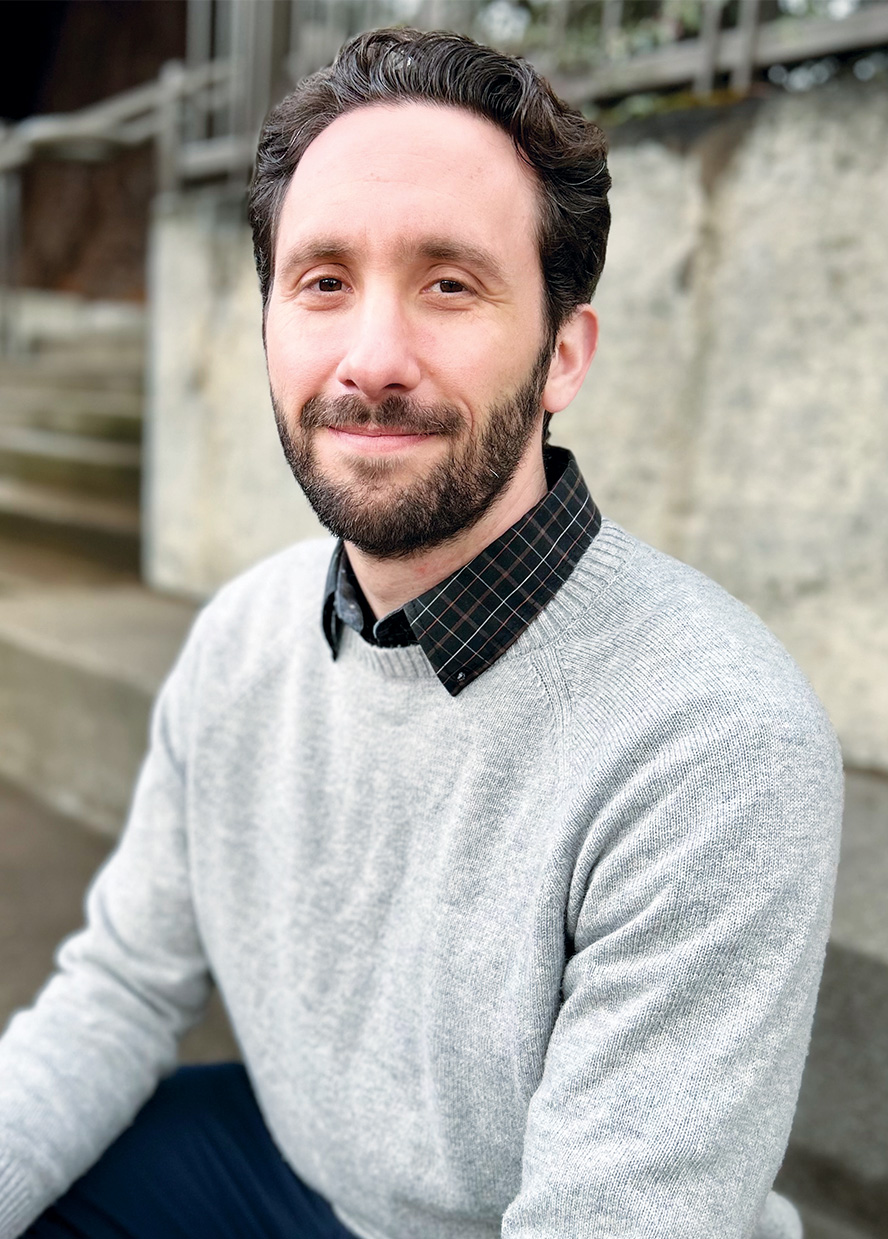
735,415
218,493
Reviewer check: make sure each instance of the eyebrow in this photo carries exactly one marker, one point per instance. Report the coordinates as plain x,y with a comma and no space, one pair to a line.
473,256
334,249
323,250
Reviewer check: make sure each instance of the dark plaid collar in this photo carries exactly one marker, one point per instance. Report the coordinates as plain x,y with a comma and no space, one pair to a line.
467,621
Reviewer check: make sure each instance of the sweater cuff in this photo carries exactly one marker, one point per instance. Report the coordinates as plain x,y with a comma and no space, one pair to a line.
18,1208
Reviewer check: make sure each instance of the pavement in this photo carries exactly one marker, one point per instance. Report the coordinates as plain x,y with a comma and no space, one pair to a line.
46,863
83,651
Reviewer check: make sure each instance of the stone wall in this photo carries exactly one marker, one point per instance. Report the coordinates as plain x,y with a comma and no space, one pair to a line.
735,415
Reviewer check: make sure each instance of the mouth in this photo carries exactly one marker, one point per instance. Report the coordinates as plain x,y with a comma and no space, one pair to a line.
374,439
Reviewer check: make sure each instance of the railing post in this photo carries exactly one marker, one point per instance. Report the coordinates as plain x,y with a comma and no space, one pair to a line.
294,39
263,64
199,51
169,136
709,37
10,250
558,15
611,20
741,74
250,56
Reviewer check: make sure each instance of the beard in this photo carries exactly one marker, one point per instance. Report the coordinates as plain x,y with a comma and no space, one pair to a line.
388,520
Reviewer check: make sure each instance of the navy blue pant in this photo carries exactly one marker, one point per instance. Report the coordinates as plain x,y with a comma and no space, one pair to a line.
197,1163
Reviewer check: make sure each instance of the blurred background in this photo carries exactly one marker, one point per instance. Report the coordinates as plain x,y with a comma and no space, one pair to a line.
735,415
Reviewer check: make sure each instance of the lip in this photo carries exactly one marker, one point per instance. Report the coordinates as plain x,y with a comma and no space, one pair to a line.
377,438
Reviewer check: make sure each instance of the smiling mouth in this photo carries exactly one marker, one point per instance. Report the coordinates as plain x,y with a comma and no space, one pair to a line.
379,439
381,432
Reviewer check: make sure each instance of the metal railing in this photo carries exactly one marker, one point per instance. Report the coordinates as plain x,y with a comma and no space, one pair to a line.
203,116
726,42
151,113
592,50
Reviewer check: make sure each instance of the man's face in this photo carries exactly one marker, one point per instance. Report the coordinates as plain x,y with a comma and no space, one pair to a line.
405,331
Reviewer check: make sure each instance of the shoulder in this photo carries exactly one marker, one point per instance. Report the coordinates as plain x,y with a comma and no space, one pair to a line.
666,628
288,584
689,726
657,655
257,618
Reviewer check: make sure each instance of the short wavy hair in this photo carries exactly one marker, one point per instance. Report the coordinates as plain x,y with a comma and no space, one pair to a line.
567,152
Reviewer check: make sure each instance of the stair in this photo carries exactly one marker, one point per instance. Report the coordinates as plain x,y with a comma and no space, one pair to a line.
79,668
819,1225
71,428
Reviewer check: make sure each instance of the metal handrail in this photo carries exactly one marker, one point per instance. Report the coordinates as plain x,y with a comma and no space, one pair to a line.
125,120
751,45
148,113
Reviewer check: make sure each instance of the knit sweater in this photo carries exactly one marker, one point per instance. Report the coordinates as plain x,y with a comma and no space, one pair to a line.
538,961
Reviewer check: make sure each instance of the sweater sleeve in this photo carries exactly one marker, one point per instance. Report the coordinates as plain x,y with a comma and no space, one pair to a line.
76,1066
695,941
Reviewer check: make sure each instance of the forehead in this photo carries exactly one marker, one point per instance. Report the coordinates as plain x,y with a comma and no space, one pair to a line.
388,173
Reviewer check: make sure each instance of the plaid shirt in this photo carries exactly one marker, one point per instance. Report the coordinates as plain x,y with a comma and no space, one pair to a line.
468,620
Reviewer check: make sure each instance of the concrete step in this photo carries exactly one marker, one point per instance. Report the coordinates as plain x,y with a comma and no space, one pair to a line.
71,408
43,320
46,861
31,567
104,530
91,355
78,671
98,345
74,369
819,1225
96,414
72,462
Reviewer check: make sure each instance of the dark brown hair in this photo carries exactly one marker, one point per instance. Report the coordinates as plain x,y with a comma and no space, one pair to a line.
567,152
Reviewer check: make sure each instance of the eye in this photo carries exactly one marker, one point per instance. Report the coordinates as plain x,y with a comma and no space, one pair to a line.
451,286
329,284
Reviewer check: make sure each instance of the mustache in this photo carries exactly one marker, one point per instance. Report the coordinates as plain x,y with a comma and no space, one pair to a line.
399,412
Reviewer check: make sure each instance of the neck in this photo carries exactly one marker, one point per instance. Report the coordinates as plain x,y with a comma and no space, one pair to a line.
389,583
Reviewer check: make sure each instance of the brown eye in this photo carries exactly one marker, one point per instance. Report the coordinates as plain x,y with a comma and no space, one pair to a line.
329,284
451,286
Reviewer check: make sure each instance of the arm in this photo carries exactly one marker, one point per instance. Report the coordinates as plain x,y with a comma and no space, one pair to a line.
695,944
76,1067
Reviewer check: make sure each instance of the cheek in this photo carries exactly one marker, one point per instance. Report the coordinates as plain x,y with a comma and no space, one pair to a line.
468,354
485,368
299,360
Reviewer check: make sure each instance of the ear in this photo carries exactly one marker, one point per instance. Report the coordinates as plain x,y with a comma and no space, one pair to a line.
574,350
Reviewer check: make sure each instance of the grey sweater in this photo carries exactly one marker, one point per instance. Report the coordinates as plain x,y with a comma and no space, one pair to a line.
536,961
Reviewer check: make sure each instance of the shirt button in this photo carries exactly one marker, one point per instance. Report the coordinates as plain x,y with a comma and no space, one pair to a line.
460,676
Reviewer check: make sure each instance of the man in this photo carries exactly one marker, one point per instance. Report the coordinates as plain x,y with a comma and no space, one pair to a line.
508,841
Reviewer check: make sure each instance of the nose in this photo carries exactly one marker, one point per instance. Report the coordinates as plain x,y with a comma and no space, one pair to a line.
380,359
